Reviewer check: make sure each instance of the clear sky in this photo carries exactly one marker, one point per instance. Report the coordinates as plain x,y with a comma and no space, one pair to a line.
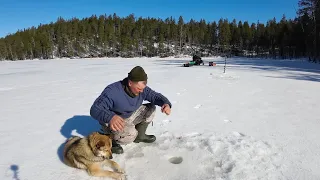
19,14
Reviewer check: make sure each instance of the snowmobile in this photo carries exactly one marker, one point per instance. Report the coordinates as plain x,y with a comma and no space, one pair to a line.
196,60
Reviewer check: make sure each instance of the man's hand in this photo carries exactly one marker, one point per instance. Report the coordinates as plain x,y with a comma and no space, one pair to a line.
116,123
166,109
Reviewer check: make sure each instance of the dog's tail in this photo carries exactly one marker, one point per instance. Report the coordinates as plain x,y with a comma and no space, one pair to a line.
69,142
72,139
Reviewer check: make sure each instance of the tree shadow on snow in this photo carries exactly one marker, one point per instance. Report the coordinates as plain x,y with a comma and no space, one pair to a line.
81,124
177,63
292,69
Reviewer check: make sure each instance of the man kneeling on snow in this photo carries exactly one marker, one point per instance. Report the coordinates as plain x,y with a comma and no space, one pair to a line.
120,111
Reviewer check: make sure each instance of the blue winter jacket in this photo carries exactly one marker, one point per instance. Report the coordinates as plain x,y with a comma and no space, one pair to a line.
114,100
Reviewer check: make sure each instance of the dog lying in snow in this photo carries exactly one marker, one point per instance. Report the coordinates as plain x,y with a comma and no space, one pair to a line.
92,153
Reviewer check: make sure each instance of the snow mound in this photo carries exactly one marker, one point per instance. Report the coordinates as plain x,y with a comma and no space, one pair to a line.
223,76
234,156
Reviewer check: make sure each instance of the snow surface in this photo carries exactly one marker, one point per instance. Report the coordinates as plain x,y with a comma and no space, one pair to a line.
259,120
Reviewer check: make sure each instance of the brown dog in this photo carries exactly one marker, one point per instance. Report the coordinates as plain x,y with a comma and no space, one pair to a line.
91,153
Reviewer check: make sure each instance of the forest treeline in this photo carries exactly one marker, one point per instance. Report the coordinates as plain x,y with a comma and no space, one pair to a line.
112,36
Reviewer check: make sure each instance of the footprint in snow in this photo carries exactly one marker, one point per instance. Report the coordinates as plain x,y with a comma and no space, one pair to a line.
135,152
134,155
179,93
164,122
6,89
197,106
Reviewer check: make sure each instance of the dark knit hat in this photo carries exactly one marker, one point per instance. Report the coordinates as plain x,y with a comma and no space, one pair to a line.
137,74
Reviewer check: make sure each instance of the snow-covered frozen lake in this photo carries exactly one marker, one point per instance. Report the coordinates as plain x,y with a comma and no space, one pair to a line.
259,120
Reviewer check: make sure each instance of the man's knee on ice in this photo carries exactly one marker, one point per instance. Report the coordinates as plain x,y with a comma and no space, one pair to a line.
126,138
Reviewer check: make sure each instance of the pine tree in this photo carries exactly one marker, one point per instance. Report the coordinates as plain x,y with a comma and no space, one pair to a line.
240,31
214,32
224,34
246,34
181,32
3,50
253,30
311,8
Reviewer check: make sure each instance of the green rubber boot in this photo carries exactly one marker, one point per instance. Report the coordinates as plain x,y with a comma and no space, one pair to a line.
142,137
116,148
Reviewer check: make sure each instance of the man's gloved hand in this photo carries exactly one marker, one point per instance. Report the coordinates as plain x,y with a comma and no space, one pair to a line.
116,123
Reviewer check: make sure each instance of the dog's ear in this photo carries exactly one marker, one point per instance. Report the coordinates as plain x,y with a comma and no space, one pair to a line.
100,144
